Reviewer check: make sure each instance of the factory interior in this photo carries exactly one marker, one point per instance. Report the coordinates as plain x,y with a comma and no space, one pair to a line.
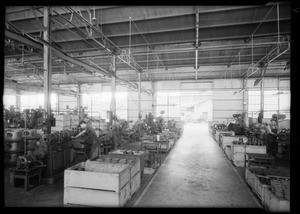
143,106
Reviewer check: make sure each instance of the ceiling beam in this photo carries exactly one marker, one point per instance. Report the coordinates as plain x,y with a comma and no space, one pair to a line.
89,69
9,83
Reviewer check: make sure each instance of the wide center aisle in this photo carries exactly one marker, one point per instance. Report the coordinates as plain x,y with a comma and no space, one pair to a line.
196,174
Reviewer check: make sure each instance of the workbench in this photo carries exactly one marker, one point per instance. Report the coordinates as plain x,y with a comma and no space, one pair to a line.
26,175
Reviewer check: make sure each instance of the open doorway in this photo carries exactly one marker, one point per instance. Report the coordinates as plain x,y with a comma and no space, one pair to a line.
196,106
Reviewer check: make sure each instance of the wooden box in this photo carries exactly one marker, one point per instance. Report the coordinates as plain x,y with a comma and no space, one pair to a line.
275,204
238,159
218,132
97,184
96,198
249,149
105,176
257,186
227,140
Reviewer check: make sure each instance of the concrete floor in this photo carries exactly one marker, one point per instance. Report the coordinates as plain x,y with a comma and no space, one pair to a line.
197,173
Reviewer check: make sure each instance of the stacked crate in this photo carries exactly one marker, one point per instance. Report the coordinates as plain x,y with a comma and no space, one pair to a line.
98,184
62,122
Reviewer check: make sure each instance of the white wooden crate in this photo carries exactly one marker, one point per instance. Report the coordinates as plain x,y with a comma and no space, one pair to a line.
238,159
218,132
135,183
96,197
275,204
104,176
227,140
237,148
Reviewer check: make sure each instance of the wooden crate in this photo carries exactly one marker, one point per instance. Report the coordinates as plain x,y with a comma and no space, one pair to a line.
227,140
135,164
100,184
218,132
257,186
104,176
239,148
275,204
140,154
238,159
135,183
95,197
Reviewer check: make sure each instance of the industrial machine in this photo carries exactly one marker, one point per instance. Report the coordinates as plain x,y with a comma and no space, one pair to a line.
52,150
13,146
239,126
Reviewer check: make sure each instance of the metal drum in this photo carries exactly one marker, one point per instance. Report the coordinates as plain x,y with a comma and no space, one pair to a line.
14,135
30,134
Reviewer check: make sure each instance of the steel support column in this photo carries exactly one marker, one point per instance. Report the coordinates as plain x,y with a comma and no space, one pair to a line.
197,42
139,94
47,67
113,90
18,98
262,94
153,100
79,97
245,102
